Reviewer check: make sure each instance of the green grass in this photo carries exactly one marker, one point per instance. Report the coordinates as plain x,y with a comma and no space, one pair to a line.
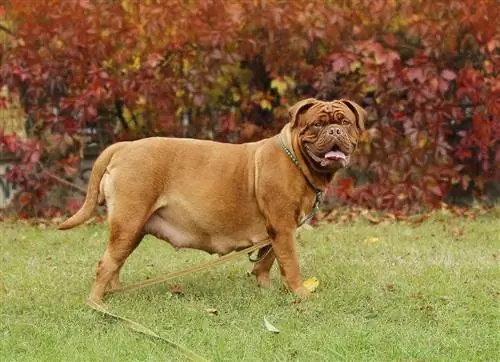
387,292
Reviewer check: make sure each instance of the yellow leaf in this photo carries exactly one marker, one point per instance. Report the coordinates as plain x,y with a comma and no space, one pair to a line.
372,240
265,104
355,65
367,88
235,95
311,284
126,114
141,100
137,62
179,111
127,6
422,141
280,86
107,63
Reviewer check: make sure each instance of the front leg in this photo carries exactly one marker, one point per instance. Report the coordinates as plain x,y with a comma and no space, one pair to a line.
282,201
284,247
262,268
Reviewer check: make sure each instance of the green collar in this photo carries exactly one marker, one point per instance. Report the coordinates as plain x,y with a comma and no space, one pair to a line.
319,193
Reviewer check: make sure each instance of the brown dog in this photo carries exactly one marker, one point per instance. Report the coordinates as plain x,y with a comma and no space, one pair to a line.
221,197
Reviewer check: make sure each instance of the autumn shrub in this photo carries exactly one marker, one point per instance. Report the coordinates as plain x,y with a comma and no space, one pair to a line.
426,70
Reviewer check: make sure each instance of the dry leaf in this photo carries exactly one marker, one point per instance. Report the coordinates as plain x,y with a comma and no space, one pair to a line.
311,284
270,327
175,289
211,311
371,218
389,288
458,233
372,240
418,219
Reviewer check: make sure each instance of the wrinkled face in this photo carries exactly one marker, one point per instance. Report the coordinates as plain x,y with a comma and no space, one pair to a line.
328,132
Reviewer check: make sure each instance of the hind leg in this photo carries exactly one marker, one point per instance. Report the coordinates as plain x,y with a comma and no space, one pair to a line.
125,235
115,284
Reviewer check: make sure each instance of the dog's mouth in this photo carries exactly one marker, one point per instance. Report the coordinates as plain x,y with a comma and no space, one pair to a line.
336,154
334,158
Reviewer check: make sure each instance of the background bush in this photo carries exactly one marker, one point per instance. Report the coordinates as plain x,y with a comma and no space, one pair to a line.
426,70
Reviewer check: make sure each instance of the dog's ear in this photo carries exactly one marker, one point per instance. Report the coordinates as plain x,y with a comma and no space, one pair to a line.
298,108
359,113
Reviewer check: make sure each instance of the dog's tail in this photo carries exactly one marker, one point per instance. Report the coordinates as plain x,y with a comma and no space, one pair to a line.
93,198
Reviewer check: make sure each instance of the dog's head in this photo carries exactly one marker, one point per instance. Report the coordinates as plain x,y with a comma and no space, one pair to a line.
327,132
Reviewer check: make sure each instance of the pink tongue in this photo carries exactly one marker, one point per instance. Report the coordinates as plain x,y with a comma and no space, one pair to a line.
335,155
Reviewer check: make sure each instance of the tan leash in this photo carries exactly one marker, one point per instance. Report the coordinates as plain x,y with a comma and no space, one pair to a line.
148,282
191,269
146,331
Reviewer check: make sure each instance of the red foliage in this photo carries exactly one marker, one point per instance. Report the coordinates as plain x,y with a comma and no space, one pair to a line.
428,72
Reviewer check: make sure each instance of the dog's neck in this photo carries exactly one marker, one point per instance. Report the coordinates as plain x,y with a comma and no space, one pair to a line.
316,180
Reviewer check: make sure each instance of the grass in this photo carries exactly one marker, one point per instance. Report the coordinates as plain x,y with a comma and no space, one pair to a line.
387,292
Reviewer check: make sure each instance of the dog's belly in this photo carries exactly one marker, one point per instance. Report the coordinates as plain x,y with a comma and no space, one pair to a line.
186,234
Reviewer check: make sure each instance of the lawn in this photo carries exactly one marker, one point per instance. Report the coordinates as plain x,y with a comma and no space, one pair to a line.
388,292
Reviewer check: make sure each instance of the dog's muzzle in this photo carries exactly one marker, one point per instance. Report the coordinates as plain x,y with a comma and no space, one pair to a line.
332,147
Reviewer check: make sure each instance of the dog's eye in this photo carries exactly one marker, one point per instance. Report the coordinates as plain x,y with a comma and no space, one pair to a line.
345,122
317,124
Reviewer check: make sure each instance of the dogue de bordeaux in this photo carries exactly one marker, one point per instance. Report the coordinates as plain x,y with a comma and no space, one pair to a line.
221,197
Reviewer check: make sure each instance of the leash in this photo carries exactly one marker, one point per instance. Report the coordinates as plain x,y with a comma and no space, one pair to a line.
160,279
193,268
146,331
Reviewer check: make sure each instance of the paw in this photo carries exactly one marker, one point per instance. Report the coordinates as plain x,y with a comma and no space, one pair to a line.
95,300
262,279
114,287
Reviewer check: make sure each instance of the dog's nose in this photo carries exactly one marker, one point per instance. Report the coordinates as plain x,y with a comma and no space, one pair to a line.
332,131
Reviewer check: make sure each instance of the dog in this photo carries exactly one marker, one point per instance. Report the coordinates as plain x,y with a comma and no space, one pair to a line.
219,197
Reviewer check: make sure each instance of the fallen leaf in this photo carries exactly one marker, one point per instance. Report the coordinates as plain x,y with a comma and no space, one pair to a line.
418,296
311,284
371,218
57,220
270,327
458,233
389,288
372,240
418,219
211,311
175,289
